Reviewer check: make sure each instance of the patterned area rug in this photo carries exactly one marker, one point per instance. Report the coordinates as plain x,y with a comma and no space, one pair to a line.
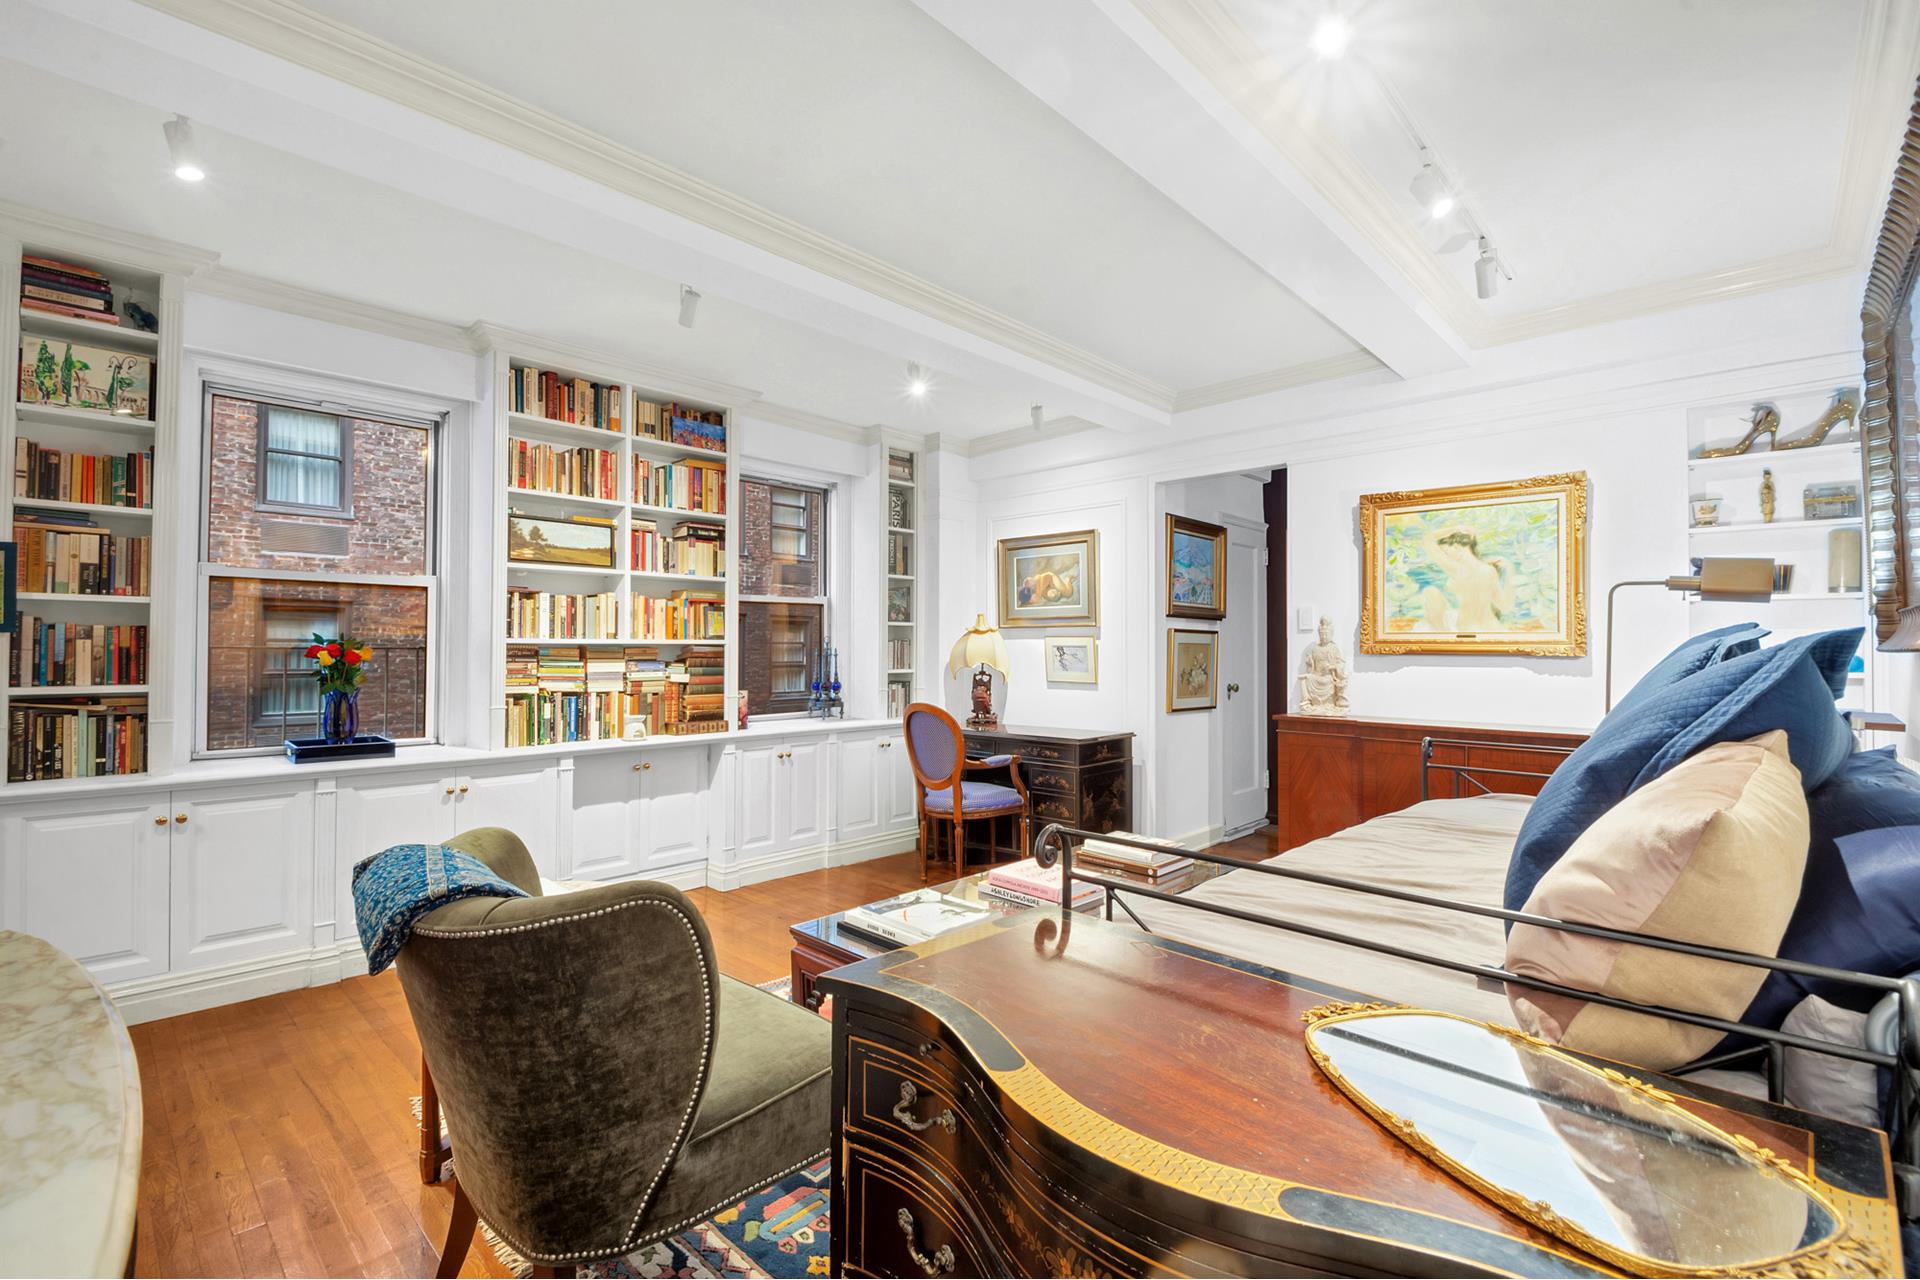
779,1230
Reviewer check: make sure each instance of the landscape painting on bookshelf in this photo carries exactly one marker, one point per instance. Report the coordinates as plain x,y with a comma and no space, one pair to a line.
580,541
54,371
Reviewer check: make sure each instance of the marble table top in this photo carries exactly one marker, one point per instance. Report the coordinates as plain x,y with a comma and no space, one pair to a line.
69,1118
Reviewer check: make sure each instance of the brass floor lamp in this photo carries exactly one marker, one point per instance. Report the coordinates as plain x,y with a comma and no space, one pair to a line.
1718,578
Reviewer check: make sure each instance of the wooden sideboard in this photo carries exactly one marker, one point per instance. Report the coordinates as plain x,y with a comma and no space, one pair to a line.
1083,777
1334,772
1039,1097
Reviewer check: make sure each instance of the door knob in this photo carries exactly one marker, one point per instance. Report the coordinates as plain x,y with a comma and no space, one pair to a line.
1232,689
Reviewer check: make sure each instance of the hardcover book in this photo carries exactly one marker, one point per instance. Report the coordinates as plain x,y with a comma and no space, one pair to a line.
1040,884
915,917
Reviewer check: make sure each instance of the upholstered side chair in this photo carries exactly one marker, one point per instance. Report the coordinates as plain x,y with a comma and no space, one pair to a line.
604,1086
948,800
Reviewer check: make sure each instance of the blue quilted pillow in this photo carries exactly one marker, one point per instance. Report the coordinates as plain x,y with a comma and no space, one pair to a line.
1695,653
1791,686
1860,898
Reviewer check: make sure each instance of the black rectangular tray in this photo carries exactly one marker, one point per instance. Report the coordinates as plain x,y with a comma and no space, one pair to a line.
310,750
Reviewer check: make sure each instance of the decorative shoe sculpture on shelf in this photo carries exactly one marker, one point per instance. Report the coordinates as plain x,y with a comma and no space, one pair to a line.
1766,422
1843,409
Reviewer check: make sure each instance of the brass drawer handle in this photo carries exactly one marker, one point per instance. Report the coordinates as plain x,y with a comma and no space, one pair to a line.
942,1259
903,1112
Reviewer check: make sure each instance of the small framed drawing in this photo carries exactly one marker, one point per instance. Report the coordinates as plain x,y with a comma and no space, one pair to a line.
1196,569
1050,580
1193,668
541,540
1072,659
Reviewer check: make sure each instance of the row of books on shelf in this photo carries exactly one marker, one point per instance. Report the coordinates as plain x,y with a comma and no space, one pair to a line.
549,615
899,553
582,472
65,555
678,424
94,738
66,289
51,654
899,694
899,653
900,466
574,695
576,400
692,485
690,548
61,475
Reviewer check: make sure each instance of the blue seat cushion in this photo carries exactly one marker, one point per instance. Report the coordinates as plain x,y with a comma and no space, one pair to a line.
976,797
1791,686
1695,653
1860,898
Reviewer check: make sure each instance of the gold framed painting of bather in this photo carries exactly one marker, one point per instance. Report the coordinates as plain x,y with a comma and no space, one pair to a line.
1478,568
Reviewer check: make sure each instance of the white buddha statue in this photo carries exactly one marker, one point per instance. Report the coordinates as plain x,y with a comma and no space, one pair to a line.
1323,680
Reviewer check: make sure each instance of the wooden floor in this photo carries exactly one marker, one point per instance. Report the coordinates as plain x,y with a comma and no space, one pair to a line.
278,1135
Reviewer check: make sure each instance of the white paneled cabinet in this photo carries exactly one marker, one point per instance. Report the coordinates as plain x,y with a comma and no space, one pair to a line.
857,788
242,877
523,800
675,787
378,811
899,795
639,817
92,880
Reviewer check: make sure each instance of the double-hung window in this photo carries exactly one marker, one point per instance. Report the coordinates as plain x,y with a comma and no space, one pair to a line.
317,519
783,594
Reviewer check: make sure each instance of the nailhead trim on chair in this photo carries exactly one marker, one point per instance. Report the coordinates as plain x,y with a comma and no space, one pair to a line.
686,1118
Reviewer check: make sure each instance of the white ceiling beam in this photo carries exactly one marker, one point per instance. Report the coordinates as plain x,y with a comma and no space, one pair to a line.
1111,73
414,134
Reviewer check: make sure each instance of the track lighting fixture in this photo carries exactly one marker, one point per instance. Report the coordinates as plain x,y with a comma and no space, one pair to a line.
1038,416
1487,270
689,304
183,151
917,385
1432,188
1331,36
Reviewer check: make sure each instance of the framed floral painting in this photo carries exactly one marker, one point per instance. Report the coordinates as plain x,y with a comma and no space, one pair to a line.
1050,580
1193,669
1196,569
1484,568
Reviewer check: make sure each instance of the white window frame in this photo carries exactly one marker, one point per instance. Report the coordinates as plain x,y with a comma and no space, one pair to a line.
348,400
787,477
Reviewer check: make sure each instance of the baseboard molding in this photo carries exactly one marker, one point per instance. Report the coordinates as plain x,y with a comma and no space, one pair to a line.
812,858
1202,838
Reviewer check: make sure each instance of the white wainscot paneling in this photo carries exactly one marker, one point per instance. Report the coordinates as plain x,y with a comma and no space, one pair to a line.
242,873
91,880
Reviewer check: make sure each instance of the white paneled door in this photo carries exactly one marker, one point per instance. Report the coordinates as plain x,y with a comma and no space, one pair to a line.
91,880
1243,671
674,795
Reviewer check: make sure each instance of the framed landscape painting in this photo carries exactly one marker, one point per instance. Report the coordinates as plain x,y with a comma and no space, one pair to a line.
1488,568
1193,668
1196,569
538,540
1050,580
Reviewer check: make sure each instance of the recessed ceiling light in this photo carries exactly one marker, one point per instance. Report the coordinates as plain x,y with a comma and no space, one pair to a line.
917,384
1331,37
180,146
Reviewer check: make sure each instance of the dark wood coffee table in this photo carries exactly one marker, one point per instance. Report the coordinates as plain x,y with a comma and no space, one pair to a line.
822,945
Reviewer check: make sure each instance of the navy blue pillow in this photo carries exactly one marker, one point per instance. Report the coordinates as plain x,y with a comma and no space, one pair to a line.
1860,898
1791,686
1695,653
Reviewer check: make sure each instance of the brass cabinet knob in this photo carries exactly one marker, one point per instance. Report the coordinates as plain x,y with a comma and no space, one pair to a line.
449,790
160,821
179,817
463,788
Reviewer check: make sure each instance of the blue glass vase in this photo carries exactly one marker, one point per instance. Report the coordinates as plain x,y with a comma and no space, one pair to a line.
339,715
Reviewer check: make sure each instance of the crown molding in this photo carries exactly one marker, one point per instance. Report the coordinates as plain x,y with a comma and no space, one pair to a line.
93,240
1229,58
484,336
1016,437
781,415
1260,384
277,295
307,39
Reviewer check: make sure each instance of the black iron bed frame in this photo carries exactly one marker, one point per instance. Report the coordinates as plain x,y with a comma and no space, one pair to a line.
1056,843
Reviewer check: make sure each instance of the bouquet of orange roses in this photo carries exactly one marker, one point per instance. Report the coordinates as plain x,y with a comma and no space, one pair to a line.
340,664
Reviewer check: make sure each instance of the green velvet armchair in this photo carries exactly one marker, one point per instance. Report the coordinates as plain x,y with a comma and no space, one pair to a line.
604,1086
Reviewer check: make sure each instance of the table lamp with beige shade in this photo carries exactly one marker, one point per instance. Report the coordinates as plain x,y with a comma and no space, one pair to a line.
981,648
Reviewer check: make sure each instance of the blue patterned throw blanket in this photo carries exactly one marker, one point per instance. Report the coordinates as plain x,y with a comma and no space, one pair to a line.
397,886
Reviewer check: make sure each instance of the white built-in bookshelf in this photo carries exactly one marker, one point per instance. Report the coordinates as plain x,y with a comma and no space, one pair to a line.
900,551
1821,554
89,430
624,625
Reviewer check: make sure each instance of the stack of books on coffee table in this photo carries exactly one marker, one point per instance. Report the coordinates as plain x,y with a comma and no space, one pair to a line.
1165,862
1029,884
